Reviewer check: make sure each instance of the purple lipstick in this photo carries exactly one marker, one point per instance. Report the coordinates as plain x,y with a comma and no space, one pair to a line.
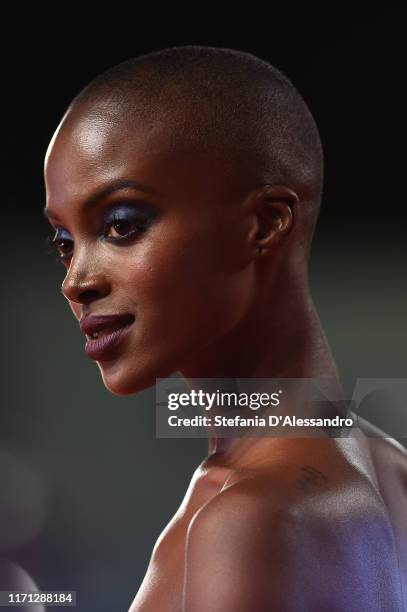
104,333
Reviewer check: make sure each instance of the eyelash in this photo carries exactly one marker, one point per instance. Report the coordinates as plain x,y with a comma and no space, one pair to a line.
55,242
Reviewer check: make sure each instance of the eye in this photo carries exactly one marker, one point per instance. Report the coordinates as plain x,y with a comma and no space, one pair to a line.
62,244
125,222
121,228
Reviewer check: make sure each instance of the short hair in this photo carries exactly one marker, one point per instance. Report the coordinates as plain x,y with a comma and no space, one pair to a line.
221,100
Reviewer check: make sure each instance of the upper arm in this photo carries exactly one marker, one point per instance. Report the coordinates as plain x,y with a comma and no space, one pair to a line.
234,556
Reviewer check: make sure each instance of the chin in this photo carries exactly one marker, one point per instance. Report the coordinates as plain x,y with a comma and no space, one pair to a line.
121,382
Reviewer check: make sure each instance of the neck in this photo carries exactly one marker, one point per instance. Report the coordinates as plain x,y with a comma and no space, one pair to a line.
280,340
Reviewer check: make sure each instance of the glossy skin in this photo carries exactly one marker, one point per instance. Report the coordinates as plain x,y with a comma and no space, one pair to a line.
211,267
313,525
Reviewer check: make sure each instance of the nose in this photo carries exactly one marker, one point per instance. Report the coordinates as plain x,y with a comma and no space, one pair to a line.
82,285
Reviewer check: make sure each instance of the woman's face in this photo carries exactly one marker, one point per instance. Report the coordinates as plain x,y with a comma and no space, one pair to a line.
156,235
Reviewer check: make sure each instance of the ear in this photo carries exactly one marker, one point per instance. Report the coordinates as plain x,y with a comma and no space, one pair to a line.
273,210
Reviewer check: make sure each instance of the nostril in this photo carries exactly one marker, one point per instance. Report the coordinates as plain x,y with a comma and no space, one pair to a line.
88,296
84,291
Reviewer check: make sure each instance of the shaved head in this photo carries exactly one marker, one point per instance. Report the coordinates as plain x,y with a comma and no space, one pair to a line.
229,104
184,186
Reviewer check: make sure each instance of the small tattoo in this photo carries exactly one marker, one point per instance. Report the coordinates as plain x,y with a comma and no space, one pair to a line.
311,479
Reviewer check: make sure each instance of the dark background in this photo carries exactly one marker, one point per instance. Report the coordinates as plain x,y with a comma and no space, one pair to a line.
86,487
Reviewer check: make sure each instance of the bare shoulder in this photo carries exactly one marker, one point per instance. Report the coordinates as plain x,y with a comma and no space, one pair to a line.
383,444
389,458
385,450
270,540
232,550
287,495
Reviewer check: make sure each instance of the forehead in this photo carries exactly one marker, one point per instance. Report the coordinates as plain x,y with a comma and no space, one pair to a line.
92,149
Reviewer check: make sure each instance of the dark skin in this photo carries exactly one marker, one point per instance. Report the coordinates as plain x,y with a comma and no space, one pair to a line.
217,284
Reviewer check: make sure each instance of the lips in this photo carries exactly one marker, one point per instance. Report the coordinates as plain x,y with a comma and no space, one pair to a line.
104,333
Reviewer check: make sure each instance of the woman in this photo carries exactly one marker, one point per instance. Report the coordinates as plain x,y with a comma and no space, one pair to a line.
184,187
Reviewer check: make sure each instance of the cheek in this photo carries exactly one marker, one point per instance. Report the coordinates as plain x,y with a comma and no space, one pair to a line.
186,291
183,301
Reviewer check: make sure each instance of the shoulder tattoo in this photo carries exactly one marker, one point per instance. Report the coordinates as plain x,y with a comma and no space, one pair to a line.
310,479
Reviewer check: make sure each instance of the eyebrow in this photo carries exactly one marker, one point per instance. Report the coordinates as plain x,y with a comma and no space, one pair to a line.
117,185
